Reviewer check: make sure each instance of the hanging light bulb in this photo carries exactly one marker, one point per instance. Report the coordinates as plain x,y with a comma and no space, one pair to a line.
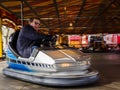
70,24
65,8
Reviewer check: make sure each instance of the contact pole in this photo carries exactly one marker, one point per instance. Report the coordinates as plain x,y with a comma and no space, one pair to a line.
22,13
1,49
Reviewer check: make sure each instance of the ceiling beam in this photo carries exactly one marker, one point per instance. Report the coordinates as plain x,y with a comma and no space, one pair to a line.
105,9
57,13
101,12
56,8
25,2
80,11
7,9
8,0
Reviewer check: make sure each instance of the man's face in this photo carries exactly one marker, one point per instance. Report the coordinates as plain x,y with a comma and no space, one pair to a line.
35,24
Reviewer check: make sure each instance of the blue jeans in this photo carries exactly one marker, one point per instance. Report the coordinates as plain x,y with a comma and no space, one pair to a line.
34,47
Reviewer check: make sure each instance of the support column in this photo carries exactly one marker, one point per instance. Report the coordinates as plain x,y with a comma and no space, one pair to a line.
1,38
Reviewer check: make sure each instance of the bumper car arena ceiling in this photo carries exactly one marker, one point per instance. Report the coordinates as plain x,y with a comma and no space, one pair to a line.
69,16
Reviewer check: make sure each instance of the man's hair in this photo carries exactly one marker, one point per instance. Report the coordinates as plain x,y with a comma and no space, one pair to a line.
31,19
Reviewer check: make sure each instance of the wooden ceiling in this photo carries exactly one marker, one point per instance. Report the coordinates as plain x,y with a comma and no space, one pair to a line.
69,16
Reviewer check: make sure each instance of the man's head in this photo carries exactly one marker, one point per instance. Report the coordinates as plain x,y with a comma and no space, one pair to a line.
35,23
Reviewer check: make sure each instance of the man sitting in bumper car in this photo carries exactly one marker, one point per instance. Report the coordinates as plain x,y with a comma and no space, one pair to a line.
30,38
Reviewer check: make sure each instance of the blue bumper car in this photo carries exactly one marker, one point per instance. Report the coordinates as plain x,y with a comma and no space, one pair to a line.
51,67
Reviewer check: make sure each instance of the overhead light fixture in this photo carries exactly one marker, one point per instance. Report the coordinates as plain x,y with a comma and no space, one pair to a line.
65,8
70,24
